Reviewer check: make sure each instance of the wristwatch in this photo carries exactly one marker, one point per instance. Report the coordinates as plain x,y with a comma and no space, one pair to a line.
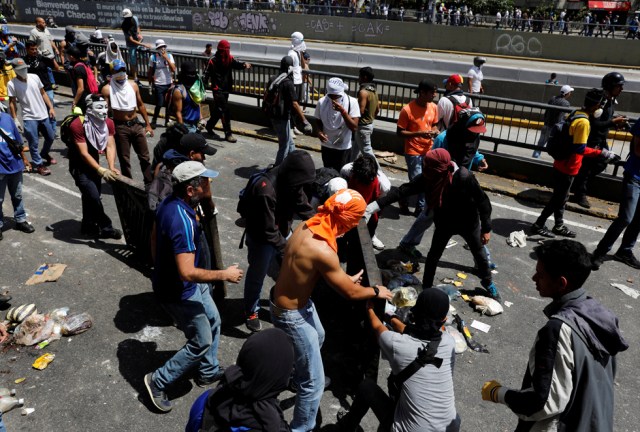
376,290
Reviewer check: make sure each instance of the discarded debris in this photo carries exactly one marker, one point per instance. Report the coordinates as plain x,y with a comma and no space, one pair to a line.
43,361
19,380
508,304
448,281
27,411
451,243
449,290
631,292
462,328
487,306
458,283
517,239
462,275
47,273
478,325
465,297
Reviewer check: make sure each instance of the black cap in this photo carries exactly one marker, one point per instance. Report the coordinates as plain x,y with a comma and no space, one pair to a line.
426,85
593,97
197,143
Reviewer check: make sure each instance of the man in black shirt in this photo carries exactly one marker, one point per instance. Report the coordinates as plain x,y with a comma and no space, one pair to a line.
289,104
39,65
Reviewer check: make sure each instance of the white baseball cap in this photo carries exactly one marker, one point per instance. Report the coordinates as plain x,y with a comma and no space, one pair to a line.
566,90
190,170
160,43
126,13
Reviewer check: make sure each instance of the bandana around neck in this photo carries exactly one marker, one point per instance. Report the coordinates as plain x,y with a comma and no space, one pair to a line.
341,212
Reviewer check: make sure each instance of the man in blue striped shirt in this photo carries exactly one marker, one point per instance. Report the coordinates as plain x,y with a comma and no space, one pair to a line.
181,284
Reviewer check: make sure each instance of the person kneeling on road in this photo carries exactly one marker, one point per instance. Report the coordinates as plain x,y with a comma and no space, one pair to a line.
91,136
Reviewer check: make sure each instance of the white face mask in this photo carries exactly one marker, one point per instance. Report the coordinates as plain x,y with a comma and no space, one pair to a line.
98,110
597,113
119,76
22,73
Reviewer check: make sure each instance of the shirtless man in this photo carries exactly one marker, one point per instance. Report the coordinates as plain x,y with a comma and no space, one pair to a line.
311,254
123,97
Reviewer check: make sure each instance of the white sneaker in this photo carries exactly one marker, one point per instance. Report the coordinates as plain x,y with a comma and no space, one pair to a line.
377,244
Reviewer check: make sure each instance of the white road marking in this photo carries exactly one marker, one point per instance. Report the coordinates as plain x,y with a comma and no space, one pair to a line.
32,192
537,213
56,186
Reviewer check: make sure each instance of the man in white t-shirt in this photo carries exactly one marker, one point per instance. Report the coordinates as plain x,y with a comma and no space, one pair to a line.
162,66
475,75
338,115
37,109
446,107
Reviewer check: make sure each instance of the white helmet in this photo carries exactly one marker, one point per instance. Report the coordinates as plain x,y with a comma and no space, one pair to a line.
126,13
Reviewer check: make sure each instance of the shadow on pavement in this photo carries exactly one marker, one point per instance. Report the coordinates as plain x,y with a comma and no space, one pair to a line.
532,197
138,311
136,359
504,227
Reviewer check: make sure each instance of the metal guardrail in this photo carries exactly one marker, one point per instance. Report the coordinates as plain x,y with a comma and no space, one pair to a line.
511,124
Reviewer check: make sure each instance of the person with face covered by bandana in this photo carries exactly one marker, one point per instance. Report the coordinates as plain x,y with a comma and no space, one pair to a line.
182,285
219,73
247,398
93,135
37,112
312,253
426,401
281,123
274,199
123,97
182,105
338,115
565,170
296,52
106,57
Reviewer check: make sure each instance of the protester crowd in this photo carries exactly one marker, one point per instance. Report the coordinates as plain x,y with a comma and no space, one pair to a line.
576,348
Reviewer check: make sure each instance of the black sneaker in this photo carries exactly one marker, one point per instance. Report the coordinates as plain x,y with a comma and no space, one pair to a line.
563,231
582,201
89,229
4,298
1,235
597,259
206,382
25,227
110,233
253,323
541,231
412,252
158,397
627,258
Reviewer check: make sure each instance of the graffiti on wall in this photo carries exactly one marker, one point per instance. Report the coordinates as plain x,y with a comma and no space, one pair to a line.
245,22
366,28
518,45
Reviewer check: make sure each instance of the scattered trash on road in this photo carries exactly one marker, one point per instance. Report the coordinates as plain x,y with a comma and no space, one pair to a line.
517,239
46,273
43,361
487,306
634,293
478,325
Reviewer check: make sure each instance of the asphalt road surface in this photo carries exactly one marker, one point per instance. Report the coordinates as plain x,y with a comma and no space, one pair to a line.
96,379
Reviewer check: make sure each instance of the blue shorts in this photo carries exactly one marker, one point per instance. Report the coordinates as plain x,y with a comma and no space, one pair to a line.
132,54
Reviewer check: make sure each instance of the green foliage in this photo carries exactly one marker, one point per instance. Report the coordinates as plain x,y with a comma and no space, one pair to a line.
490,6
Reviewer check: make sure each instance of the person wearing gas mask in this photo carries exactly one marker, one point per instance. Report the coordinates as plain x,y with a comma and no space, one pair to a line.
37,110
475,75
93,135
338,115
184,104
220,72
280,121
601,121
123,97
565,170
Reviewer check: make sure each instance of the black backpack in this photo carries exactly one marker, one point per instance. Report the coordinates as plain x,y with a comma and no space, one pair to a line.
272,100
65,130
244,204
559,145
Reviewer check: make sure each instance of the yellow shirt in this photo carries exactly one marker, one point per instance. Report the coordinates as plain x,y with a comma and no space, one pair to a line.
6,74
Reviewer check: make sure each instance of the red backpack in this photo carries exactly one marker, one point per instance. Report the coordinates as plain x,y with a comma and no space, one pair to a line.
92,84
457,107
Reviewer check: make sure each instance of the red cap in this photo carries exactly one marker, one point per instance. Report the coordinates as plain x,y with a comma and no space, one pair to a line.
455,79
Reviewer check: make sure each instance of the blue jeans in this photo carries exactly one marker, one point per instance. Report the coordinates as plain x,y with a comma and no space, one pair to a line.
414,168
363,140
14,183
285,141
2,428
422,223
628,217
53,121
260,256
52,79
304,328
31,128
542,141
199,319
